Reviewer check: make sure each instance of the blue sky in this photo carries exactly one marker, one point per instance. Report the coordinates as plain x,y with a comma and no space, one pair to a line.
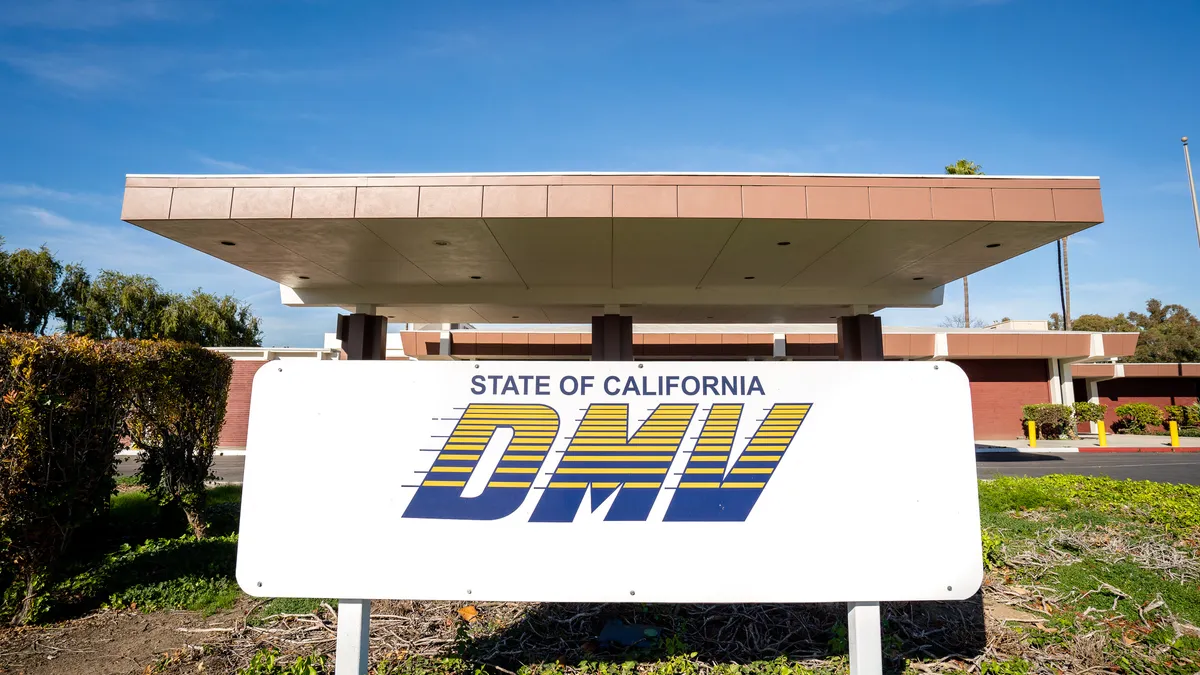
95,89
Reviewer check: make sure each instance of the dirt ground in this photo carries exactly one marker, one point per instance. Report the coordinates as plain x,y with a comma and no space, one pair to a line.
109,643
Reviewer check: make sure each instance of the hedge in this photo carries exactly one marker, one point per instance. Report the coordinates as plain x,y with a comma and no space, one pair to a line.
69,405
175,417
1086,411
1184,416
1134,418
1053,420
61,424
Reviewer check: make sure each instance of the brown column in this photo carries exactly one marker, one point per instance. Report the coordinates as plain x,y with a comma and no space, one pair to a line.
363,336
860,338
612,338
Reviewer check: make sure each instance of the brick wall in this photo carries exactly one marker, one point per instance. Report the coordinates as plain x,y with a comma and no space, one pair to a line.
1161,391
999,387
237,406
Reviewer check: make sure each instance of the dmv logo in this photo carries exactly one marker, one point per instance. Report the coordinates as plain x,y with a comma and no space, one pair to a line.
603,457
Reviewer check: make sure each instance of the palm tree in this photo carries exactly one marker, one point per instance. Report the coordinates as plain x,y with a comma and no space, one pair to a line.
965,167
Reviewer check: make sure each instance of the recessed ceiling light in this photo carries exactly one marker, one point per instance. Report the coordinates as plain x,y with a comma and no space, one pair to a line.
302,277
228,243
476,277
441,242
918,278
993,245
783,243
747,278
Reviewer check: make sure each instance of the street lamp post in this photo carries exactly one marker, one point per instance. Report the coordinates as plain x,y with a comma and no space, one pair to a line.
1192,184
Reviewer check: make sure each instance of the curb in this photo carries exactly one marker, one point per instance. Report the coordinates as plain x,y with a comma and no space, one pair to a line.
1108,450
218,453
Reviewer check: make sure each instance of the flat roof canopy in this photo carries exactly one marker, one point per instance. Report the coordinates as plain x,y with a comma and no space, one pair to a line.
561,248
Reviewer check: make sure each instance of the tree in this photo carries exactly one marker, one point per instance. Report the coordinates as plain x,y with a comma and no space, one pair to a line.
206,319
28,289
965,167
1168,333
127,306
73,291
35,288
960,321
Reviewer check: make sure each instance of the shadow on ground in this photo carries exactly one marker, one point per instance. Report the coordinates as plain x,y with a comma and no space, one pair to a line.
740,633
1016,457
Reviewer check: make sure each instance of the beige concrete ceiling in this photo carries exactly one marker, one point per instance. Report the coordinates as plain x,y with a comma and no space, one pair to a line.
662,247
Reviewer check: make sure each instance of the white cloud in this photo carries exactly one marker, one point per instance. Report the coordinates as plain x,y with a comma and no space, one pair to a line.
268,75
26,191
71,71
222,164
92,14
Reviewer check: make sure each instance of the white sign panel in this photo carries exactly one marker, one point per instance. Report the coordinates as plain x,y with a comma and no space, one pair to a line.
610,481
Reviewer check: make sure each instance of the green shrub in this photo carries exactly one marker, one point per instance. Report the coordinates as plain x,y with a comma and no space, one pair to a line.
268,662
993,550
175,417
1185,416
1134,418
1086,411
1053,420
60,431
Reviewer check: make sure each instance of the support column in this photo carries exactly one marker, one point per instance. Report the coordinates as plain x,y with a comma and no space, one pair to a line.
1093,392
860,338
1068,382
612,338
1055,382
363,336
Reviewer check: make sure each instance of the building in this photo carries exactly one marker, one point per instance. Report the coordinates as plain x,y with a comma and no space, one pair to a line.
661,265
1009,365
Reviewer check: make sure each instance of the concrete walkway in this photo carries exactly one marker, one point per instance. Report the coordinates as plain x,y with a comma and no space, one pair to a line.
1091,443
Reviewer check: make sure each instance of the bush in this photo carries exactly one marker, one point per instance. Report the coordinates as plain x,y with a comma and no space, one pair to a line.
1134,418
1085,411
175,417
1184,416
1053,420
60,431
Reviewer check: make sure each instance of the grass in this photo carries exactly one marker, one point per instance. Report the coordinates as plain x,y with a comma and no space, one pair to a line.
141,556
1111,567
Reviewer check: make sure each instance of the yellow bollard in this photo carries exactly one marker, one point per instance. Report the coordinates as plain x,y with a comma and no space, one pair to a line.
1032,434
1174,434
1103,436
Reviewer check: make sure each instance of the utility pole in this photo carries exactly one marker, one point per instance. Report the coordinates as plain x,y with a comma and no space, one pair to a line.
1192,184
966,304
1066,288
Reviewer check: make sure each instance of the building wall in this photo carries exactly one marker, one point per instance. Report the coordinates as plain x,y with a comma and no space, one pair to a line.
999,387
237,406
1161,391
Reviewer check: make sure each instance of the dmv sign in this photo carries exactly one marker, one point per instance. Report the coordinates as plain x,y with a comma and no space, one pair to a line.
610,481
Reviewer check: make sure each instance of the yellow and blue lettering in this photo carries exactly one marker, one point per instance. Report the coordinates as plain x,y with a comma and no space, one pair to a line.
602,456
706,492
440,493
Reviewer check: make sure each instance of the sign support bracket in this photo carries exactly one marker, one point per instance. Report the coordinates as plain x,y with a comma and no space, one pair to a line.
353,637
863,633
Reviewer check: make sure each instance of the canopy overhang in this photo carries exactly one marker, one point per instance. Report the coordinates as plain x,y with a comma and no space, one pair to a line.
561,248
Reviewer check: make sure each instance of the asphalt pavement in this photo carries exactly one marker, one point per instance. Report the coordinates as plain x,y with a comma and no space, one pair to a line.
1161,467
1155,466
